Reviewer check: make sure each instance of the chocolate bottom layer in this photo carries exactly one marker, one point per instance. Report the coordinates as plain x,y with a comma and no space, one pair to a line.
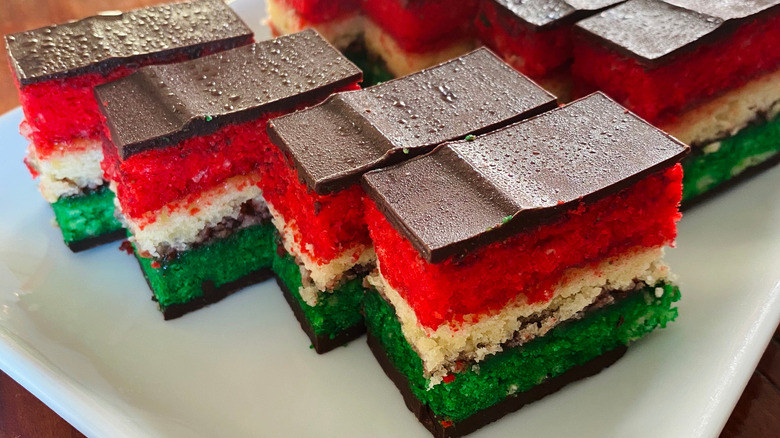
92,242
435,423
213,293
209,273
321,343
469,396
87,220
335,319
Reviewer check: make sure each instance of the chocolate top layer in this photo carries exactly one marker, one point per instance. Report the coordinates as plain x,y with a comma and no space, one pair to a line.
547,13
113,38
652,31
468,194
160,105
334,143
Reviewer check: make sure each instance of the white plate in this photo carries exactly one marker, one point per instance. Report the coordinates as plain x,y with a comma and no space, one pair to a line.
80,332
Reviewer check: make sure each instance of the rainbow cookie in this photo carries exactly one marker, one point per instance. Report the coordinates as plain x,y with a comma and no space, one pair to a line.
535,37
387,38
312,184
184,151
517,261
56,68
706,72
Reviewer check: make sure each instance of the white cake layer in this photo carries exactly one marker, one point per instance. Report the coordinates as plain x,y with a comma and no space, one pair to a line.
340,32
319,276
578,288
178,223
398,61
730,112
74,168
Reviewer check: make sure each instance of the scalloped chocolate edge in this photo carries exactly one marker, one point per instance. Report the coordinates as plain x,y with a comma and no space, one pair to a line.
332,144
468,194
160,105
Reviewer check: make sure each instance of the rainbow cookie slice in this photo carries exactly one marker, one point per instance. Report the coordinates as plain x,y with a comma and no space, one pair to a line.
313,187
706,72
341,22
520,260
387,38
535,37
56,68
184,152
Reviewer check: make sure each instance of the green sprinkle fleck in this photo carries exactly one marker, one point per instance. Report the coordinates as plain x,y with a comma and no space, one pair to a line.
406,150
506,219
209,118
488,228
470,137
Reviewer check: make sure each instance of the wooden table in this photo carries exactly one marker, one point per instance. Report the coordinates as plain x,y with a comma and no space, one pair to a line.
22,415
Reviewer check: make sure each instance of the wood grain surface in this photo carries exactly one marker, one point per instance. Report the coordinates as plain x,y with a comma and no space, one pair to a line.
757,413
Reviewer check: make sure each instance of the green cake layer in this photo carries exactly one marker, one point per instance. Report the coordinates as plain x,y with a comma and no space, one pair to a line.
519,369
709,167
194,274
374,70
336,316
86,216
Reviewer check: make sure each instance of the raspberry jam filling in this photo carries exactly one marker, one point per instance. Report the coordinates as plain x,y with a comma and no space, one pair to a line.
423,26
535,53
320,11
531,262
327,224
659,94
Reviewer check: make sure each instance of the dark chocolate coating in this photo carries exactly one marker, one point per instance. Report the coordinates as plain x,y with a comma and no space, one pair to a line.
213,293
468,194
92,242
433,422
653,31
334,143
541,14
160,105
105,41
321,343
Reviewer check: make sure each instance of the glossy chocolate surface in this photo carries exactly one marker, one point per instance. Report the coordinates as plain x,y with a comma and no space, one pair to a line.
468,194
334,143
105,41
653,31
547,13
160,105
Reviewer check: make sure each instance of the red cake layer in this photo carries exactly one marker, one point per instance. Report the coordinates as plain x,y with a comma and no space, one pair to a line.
541,51
660,94
328,224
421,26
59,110
532,262
320,11
148,180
